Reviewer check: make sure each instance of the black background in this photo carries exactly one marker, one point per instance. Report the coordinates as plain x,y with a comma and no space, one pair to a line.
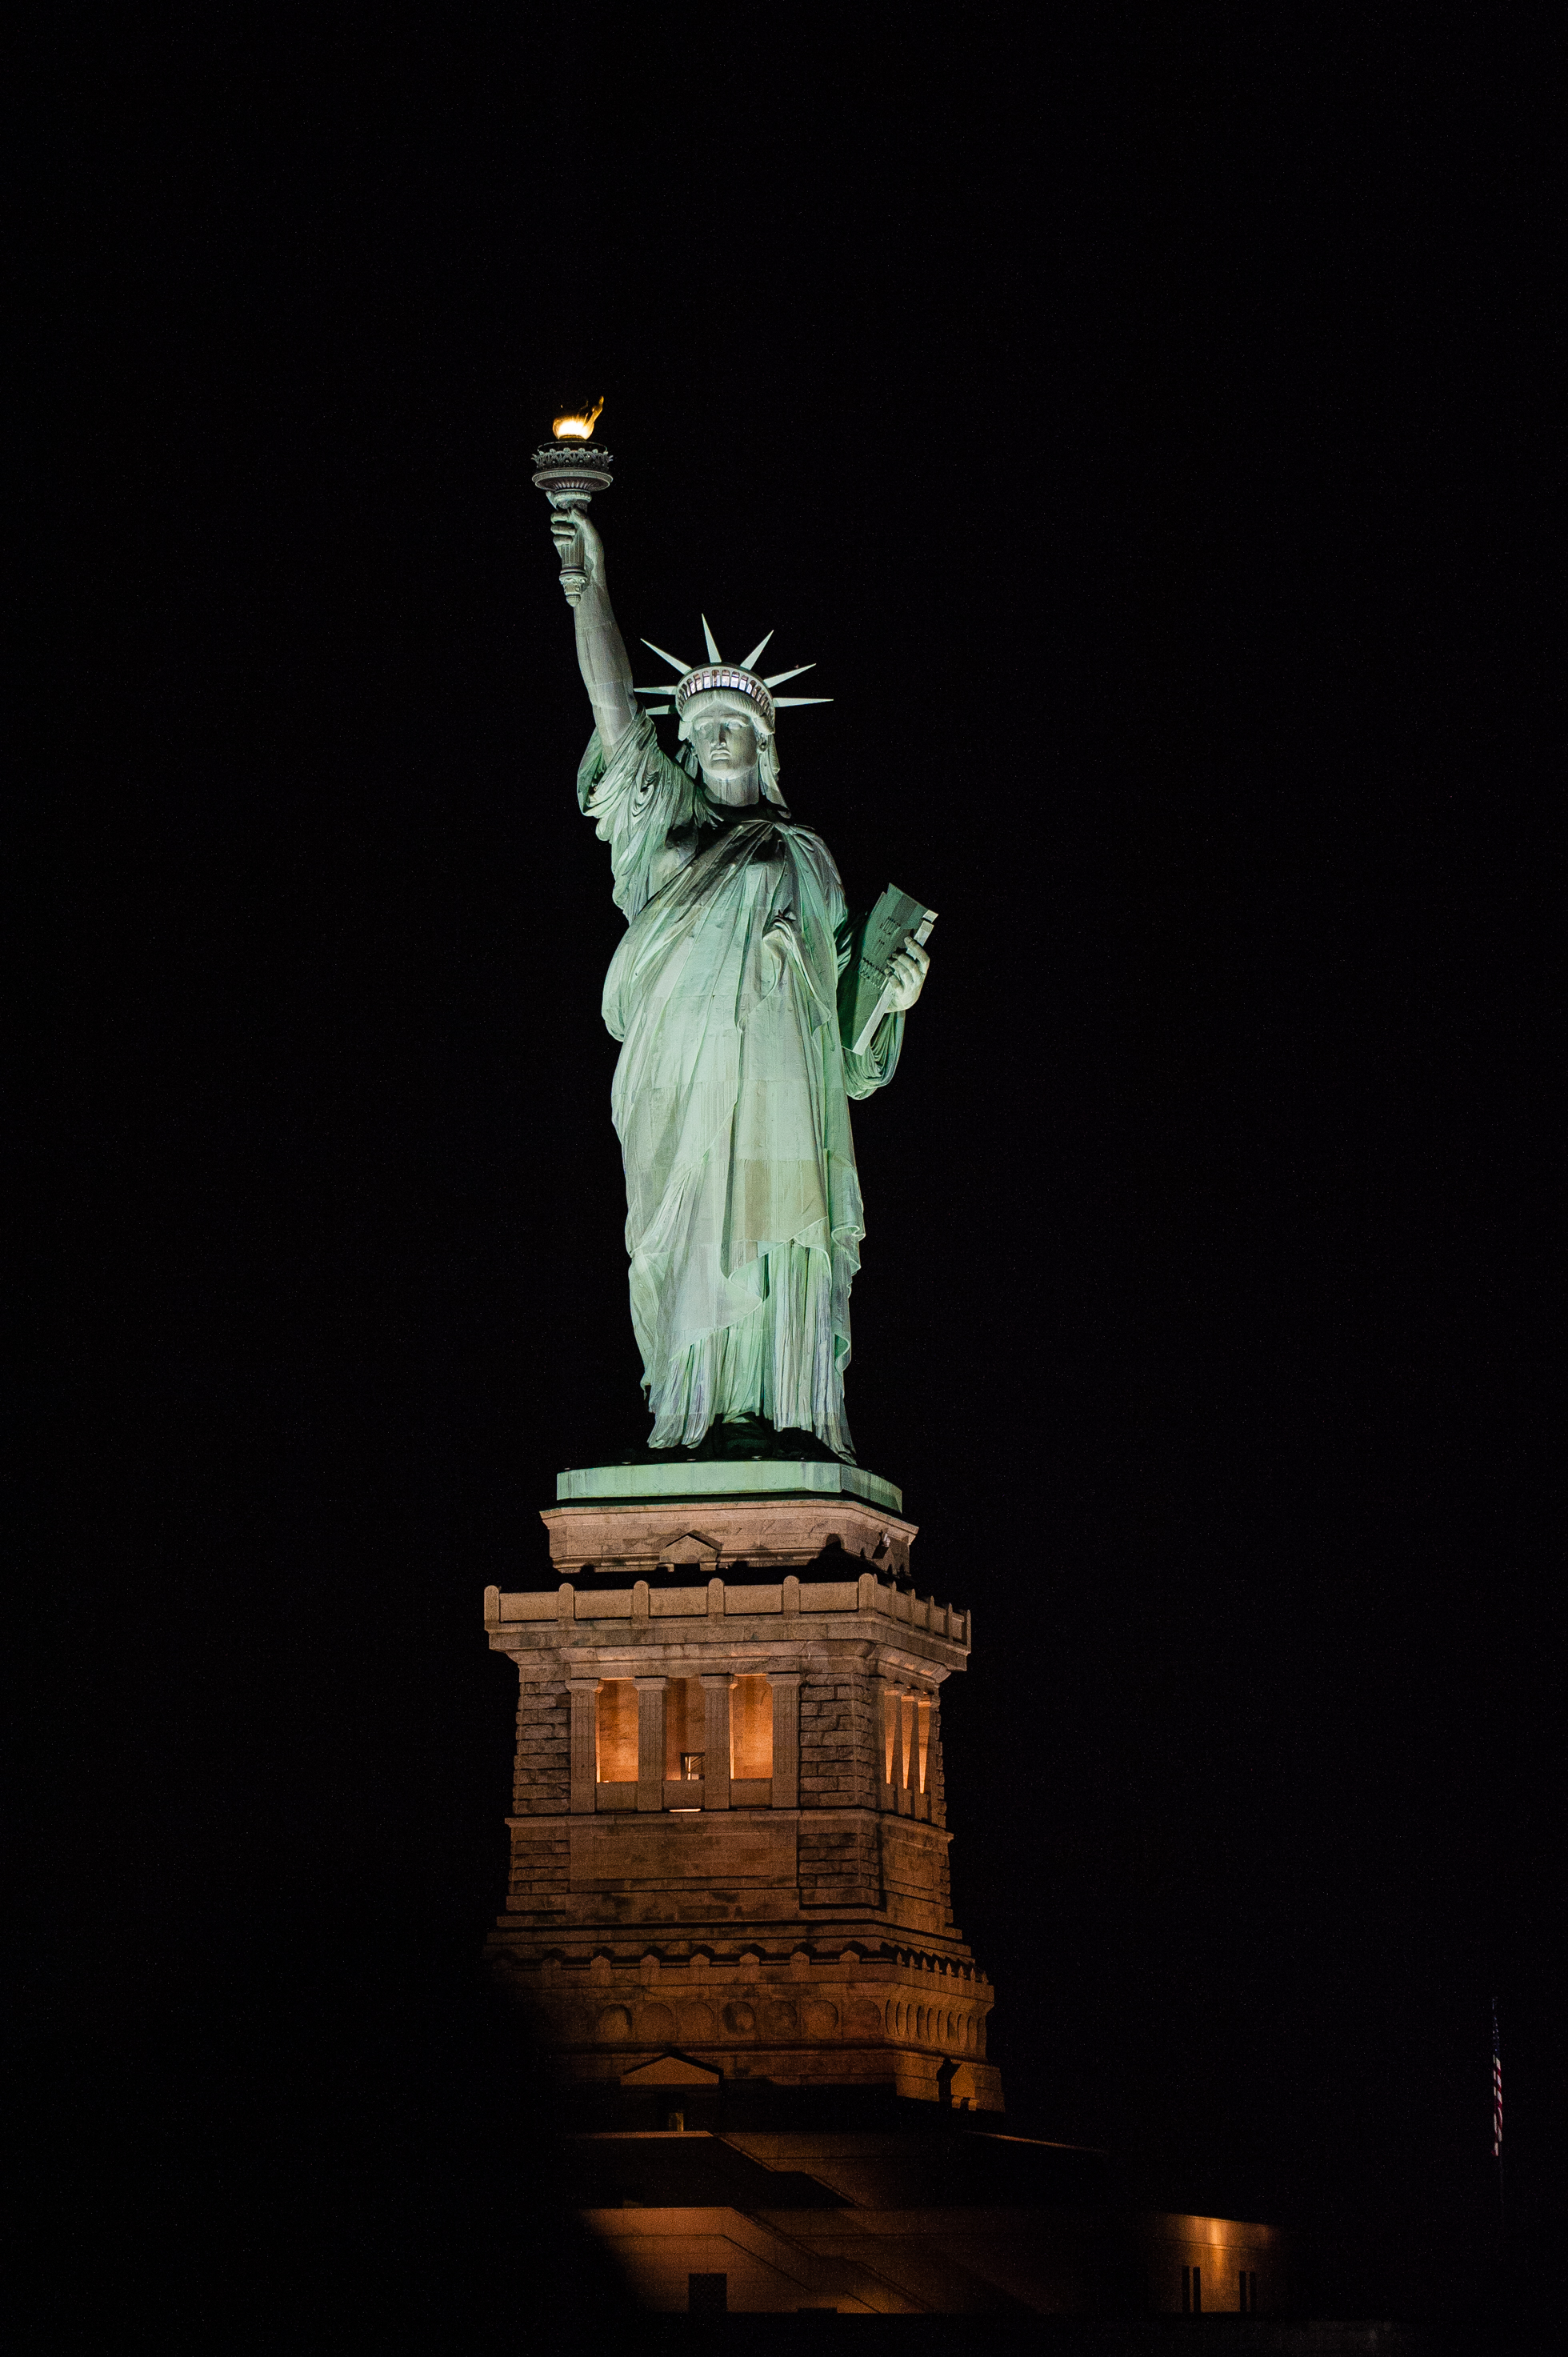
1142,432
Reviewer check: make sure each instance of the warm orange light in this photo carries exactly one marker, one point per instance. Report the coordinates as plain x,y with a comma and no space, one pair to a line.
751,1727
576,429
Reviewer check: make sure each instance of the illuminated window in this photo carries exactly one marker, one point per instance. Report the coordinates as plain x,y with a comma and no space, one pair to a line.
751,1729
907,1741
617,1732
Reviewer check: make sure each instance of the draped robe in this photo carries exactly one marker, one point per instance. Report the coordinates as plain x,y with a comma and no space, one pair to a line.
731,1097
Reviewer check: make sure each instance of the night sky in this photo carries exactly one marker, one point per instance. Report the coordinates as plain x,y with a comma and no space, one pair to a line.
1145,438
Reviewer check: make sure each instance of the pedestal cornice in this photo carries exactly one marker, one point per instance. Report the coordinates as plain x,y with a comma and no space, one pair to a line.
792,1616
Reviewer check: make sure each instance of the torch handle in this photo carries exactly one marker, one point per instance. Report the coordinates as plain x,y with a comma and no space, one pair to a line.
574,574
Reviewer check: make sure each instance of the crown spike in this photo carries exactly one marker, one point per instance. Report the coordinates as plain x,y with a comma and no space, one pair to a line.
803,699
713,654
755,651
788,674
674,661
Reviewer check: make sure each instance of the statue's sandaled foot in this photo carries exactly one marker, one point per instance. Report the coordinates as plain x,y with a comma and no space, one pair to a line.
747,1439
755,1437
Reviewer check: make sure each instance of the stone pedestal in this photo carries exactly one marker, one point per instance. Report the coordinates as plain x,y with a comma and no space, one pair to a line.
729,1837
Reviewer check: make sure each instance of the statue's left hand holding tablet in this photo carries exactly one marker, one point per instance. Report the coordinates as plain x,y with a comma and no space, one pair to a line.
909,969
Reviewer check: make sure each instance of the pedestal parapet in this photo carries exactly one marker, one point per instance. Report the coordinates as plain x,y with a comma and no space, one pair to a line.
729,1837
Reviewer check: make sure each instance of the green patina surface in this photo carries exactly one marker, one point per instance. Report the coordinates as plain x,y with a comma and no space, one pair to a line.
735,1479
732,1094
731,1099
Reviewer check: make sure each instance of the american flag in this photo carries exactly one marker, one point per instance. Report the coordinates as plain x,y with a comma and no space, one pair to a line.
1496,2090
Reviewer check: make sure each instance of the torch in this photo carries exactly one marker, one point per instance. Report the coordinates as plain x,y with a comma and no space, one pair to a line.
569,471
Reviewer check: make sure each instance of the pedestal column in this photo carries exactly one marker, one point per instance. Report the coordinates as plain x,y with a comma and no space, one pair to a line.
649,1743
584,1744
934,1779
786,1738
715,1740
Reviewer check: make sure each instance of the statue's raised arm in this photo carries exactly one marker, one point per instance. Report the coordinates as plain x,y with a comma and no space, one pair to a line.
601,651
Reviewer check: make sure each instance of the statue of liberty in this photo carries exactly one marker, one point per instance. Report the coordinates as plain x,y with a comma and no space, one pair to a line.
731,1094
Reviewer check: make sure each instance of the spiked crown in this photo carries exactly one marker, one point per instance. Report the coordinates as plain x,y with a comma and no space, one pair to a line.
718,677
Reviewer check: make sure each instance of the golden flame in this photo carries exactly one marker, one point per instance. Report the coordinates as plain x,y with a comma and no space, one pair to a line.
576,429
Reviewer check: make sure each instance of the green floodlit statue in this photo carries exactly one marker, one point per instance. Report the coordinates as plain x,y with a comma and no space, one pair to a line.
730,1095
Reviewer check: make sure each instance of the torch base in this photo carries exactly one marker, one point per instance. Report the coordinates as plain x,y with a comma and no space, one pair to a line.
569,477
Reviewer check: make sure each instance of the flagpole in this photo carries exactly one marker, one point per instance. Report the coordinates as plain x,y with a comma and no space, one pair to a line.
1498,2122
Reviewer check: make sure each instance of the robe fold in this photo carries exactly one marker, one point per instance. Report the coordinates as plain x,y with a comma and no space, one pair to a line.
731,1097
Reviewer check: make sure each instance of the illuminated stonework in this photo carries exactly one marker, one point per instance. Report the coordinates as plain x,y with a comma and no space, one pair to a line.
729,1837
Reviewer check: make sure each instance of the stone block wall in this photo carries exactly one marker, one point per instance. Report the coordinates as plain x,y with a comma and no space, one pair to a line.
917,1889
839,1865
540,1881
837,1740
892,2017
541,1773
936,1782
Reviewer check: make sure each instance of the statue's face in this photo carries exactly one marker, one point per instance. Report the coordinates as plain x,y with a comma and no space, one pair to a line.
726,748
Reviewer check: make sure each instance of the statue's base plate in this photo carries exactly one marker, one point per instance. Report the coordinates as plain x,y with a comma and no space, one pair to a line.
768,1477
638,1521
